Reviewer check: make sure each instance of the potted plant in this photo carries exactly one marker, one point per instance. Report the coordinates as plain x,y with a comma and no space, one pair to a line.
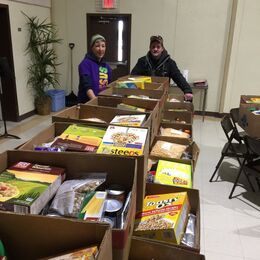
42,73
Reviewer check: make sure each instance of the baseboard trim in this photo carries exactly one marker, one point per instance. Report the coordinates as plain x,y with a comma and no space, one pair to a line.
26,115
208,113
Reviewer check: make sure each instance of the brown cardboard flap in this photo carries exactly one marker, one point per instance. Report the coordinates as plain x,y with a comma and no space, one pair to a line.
194,200
147,249
179,105
34,237
178,117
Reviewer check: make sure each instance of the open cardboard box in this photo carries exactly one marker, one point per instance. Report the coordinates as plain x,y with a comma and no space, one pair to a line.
178,126
77,114
194,199
192,148
35,237
144,249
150,105
157,95
249,121
178,97
147,85
120,170
245,99
181,117
57,128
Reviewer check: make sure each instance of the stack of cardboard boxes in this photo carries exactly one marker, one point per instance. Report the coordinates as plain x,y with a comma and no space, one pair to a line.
44,236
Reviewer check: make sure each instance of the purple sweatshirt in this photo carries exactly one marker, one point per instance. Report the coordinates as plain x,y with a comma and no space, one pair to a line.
93,75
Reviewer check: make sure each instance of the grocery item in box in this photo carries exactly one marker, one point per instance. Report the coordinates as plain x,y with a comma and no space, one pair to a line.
129,107
88,253
27,188
133,82
163,217
168,150
174,132
128,120
253,100
120,140
80,138
173,173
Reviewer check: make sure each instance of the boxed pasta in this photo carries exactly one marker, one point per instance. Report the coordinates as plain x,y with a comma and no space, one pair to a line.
173,173
80,138
163,217
128,120
120,140
27,188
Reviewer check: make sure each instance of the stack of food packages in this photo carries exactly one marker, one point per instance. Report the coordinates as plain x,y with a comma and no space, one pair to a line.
165,216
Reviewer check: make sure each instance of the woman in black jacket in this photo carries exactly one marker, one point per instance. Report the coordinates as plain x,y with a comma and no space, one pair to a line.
158,62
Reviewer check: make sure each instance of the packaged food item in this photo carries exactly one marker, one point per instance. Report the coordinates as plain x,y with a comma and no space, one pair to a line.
94,119
80,138
125,209
189,235
163,217
119,140
168,150
112,211
88,253
129,107
173,173
27,187
133,82
93,208
71,194
173,133
128,120
116,192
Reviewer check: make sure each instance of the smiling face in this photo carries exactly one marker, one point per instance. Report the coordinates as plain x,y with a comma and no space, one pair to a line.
156,49
99,49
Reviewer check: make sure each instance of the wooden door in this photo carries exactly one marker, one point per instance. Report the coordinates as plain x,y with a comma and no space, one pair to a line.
116,28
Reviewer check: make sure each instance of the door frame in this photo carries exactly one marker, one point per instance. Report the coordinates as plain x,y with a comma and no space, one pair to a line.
129,18
9,89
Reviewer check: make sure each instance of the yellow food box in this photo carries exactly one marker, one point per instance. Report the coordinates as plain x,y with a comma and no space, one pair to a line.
164,217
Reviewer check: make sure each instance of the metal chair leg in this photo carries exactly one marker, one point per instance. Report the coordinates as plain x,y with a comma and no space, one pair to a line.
249,181
217,166
237,178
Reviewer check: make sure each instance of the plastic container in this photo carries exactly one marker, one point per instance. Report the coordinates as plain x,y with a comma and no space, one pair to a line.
57,99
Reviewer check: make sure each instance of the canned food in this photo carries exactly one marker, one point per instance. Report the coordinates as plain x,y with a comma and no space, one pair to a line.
112,211
116,192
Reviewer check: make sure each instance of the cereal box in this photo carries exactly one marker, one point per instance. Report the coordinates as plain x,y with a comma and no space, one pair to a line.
163,217
128,120
173,173
120,140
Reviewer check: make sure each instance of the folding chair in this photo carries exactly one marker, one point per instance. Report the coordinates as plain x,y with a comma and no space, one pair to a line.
232,150
234,114
253,146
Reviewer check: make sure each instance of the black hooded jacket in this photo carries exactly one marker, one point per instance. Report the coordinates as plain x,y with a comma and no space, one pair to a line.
164,67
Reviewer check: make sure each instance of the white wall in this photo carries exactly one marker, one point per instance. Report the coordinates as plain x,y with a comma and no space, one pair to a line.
243,77
194,32
19,41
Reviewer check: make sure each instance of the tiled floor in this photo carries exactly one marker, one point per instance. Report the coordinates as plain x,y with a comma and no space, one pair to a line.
230,229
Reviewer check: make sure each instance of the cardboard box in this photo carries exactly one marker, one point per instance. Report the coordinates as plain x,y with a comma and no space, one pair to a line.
247,99
151,106
192,148
147,85
249,121
35,237
178,97
77,114
177,117
175,106
194,199
144,249
178,126
157,95
76,164
55,129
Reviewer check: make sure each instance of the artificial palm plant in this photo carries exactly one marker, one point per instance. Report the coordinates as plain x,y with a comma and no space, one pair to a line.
42,69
